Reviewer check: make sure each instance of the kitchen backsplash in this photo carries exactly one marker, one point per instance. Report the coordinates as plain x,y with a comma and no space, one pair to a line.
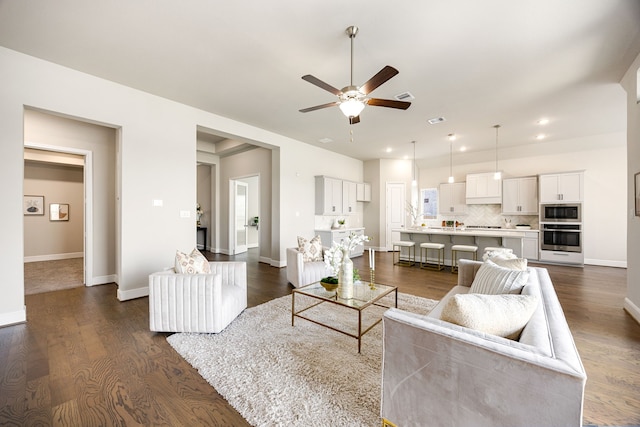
490,215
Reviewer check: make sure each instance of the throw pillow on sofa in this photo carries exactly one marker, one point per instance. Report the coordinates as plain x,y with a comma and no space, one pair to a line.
512,264
311,249
503,315
194,263
493,279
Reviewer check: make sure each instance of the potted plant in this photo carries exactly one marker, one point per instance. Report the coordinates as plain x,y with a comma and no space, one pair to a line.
330,283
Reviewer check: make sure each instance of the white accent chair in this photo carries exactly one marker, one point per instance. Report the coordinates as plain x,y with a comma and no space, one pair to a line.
300,273
202,303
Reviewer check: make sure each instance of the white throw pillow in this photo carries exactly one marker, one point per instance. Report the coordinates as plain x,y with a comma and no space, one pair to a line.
498,254
194,263
311,249
502,315
492,279
512,264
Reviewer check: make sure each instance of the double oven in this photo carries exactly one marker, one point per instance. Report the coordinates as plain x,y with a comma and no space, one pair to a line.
561,227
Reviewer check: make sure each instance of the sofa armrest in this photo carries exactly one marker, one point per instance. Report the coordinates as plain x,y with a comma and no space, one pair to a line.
471,378
467,270
295,266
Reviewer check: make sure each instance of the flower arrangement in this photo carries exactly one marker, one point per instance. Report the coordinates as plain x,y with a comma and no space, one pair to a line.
413,211
333,256
199,212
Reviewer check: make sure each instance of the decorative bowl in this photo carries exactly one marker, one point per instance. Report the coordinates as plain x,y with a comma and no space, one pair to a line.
330,287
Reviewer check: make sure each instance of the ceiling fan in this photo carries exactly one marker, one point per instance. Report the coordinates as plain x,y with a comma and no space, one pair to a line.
352,99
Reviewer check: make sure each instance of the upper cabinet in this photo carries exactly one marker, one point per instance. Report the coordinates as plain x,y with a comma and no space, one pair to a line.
349,190
328,196
483,189
562,187
452,199
339,197
363,192
520,196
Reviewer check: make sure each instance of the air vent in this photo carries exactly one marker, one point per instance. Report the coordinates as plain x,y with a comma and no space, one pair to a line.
404,96
436,120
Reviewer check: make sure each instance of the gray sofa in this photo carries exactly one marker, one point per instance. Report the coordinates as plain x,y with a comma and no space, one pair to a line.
435,373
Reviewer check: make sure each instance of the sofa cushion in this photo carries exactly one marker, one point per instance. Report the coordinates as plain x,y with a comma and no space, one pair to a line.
512,263
194,263
503,315
493,279
311,249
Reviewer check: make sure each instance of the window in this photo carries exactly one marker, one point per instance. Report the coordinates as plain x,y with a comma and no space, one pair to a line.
429,198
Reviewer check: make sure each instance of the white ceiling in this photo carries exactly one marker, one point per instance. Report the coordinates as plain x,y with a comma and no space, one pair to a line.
476,63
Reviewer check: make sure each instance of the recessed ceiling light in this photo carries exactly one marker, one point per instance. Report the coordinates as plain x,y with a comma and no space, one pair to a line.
543,121
452,137
389,150
541,136
325,140
463,148
436,120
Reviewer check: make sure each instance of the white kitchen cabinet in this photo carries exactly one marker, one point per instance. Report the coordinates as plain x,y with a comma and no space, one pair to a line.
328,196
483,188
520,196
363,192
562,187
530,246
330,236
349,190
452,199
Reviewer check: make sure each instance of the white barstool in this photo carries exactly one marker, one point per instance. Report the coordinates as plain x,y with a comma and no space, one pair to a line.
424,249
461,248
411,247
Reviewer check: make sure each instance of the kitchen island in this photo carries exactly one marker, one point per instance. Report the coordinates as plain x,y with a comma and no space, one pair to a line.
482,238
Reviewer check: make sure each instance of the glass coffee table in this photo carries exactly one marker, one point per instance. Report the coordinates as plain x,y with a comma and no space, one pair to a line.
364,295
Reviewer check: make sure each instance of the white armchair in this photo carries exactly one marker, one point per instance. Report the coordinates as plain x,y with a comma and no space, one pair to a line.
300,273
203,303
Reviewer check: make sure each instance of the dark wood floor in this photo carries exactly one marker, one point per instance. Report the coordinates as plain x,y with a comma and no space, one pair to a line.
85,359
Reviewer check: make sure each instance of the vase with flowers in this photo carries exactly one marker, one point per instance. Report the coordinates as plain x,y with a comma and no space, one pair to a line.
199,213
338,261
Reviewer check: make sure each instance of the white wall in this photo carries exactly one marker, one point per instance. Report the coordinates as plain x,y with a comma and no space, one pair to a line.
631,84
602,157
156,160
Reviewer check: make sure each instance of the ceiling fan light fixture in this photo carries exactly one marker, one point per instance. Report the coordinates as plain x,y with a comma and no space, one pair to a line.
351,107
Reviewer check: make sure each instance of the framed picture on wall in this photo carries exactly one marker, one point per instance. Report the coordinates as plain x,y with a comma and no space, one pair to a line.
58,212
637,193
33,205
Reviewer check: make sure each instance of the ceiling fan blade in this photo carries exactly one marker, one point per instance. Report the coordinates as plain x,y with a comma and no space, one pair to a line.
383,75
326,86
402,105
319,107
354,120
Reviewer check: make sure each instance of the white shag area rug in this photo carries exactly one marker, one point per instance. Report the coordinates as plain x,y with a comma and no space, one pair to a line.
275,374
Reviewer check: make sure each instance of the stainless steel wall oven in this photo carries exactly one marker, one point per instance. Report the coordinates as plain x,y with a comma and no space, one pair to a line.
561,237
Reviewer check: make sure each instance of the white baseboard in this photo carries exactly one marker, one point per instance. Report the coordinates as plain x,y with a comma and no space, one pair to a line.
103,280
14,317
632,309
53,257
274,262
605,263
133,293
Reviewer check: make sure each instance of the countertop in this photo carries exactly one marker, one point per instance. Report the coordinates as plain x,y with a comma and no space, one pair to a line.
480,232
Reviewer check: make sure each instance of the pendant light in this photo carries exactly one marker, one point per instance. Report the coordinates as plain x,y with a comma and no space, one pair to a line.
497,174
451,137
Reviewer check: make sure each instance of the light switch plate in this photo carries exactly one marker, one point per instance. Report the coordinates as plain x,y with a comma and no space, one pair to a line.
185,214
157,202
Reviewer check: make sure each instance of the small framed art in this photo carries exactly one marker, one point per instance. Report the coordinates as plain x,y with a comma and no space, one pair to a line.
637,193
33,205
58,212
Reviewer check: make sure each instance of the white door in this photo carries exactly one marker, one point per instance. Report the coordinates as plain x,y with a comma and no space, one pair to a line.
241,206
396,193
